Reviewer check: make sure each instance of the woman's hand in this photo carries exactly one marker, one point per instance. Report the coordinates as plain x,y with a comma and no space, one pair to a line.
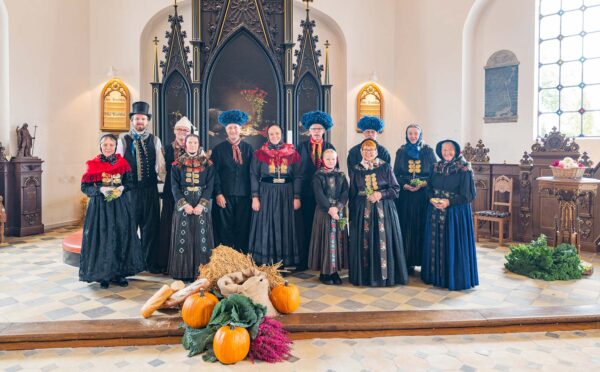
255,204
188,209
220,199
442,204
375,197
105,190
410,188
334,213
198,209
297,204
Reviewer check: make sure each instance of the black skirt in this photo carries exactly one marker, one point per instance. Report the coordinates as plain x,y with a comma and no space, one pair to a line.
273,230
191,240
110,247
164,240
376,247
412,212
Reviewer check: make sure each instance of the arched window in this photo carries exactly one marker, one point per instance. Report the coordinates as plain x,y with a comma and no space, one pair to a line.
569,67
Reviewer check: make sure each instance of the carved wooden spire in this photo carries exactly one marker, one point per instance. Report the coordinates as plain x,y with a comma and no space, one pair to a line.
327,81
307,54
176,53
156,77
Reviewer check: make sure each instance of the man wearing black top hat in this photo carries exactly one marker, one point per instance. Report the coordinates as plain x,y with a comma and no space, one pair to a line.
311,159
231,160
143,151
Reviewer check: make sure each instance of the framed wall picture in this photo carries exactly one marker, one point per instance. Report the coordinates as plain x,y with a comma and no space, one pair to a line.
115,103
369,101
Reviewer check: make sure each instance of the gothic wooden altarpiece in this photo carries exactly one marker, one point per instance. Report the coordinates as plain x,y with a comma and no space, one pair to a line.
241,59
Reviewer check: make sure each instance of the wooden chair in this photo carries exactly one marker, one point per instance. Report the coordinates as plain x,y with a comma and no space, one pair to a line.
502,185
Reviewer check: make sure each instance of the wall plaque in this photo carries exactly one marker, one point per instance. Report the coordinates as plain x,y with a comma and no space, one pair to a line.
369,102
115,107
501,88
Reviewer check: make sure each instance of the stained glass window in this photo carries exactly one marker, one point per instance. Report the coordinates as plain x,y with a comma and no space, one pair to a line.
569,67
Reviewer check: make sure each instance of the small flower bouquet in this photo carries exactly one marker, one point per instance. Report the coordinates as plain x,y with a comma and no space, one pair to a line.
567,168
112,194
342,223
416,182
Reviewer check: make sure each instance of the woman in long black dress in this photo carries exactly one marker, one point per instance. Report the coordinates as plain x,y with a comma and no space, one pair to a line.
328,249
376,247
275,182
172,152
413,166
449,258
110,248
191,236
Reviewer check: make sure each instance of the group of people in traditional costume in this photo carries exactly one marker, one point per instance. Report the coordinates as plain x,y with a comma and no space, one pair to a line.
279,203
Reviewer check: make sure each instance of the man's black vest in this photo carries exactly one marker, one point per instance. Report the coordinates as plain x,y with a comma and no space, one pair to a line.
143,167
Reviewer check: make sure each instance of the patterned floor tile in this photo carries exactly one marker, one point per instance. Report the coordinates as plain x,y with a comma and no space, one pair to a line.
37,286
465,353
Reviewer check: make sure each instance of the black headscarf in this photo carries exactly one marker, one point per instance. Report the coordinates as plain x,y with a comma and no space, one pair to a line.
112,159
456,164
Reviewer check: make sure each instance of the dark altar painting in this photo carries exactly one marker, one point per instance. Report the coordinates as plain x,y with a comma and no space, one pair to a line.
308,98
176,103
243,78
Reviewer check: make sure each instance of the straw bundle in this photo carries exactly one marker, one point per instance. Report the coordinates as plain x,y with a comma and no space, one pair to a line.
225,260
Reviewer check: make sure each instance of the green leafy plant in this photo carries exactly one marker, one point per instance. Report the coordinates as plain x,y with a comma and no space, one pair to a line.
538,261
236,310
342,223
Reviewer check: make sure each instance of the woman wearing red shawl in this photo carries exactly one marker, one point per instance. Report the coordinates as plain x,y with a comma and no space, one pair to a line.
275,183
110,249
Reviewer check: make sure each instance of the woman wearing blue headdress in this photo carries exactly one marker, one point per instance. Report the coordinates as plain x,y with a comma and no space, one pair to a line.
449,258
413,166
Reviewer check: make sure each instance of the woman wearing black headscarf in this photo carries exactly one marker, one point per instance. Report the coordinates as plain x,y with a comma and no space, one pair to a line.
449,258
413,166
275,182
110,248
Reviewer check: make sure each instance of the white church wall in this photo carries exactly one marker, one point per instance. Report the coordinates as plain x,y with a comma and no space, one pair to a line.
4,80
510,24
506,24
428,60
49,87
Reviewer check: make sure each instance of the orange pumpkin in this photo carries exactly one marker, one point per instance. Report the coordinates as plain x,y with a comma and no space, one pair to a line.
285,298
197,309
231,344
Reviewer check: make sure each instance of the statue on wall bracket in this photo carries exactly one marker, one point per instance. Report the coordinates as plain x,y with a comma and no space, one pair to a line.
25,141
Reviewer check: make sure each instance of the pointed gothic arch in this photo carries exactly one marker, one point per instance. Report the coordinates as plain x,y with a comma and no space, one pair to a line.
226,77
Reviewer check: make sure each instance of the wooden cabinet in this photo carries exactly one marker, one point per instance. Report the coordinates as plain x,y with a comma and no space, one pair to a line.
21,186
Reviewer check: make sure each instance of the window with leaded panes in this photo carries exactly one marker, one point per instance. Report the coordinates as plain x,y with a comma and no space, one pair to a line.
569,67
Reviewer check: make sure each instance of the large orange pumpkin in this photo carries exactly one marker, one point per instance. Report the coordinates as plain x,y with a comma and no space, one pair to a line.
285,298
197,309
231,344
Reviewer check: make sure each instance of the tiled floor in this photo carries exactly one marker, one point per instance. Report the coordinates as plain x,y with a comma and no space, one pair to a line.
35,285
552,351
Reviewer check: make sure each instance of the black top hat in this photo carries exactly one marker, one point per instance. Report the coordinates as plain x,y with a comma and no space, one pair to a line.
142,108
